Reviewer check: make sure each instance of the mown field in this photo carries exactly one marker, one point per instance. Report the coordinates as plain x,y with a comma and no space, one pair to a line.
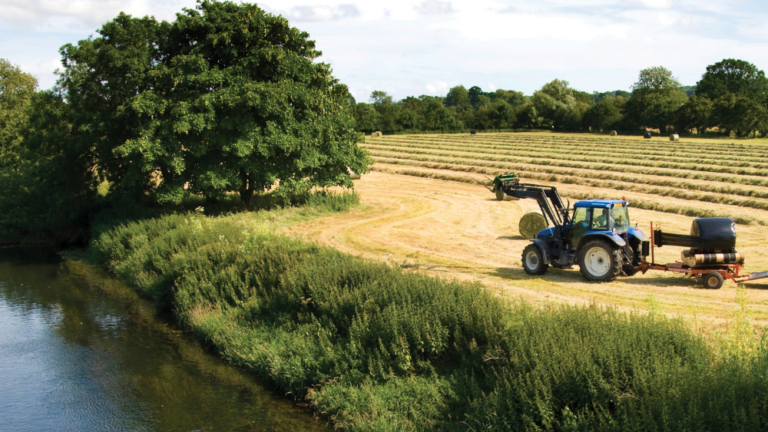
427,209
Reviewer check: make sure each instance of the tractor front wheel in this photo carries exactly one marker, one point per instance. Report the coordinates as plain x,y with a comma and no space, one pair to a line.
599,261
533,260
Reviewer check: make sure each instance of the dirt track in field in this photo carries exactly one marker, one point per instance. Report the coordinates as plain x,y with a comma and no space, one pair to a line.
458,230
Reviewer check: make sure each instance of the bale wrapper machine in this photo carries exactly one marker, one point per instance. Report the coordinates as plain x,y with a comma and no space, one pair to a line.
711,258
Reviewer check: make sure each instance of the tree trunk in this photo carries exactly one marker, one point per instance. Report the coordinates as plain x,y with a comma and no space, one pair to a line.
246,189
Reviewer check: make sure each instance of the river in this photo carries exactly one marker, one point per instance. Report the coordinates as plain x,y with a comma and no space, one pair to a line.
79,351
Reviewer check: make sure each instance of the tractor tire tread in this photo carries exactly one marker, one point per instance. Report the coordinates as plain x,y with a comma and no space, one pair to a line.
616,261
541,268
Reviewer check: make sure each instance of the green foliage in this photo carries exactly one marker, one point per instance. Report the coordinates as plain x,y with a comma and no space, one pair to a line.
225,98
696,113
656,96
377,348
657,101
52,190
739,114
367,119
458,97
736,77
16,91
602,115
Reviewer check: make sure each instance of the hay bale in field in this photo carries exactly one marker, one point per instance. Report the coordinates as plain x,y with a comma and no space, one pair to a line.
376,134
647,135
674,137
472,131
353,175
531,223
614,133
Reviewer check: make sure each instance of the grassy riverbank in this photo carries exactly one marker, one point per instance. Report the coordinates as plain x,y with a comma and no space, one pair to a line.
377,348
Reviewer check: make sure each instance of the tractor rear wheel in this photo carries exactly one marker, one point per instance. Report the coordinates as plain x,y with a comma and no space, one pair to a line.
599,261
533,260
499,195
713,280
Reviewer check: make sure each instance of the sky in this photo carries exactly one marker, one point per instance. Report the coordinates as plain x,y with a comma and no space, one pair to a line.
412,48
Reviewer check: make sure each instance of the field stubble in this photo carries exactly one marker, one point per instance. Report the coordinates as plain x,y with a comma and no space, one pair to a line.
458,230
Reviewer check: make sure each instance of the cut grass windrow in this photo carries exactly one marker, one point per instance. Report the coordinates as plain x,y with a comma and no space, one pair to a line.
610,154
702,144
694,175
452,164
749,152
642,204
619,186
543,157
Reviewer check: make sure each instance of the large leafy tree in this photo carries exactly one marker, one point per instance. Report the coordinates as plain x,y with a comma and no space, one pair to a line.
738,77
602,115
740,115
16,91
225,98
656,96
696,113
458,97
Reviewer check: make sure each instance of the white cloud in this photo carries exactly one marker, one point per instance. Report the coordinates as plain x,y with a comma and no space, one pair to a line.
80,15
656,4
322,12
435,8
439,88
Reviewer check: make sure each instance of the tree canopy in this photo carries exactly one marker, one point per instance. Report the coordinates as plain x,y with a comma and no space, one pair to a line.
16,91
656,96
733,76
225,98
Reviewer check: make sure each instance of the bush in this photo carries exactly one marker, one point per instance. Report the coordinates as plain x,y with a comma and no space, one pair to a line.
378,348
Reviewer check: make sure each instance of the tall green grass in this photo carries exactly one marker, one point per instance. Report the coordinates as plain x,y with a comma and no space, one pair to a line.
378,348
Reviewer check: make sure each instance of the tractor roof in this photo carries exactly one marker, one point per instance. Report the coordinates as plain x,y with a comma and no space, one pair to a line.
601,203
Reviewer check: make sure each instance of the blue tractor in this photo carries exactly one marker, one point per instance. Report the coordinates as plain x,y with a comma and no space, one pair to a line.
595,234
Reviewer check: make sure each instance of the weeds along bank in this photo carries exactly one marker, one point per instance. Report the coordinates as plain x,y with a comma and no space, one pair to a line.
377,348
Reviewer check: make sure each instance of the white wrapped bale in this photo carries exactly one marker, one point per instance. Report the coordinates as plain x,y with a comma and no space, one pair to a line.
614,133
674,137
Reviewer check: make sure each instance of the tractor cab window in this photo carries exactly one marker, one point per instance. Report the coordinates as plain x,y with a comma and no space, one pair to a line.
620,218
580,217
600,218
579,225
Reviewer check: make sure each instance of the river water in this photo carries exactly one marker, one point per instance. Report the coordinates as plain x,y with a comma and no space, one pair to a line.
79,351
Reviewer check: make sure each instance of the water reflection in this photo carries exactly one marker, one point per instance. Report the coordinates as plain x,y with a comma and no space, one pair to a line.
79,351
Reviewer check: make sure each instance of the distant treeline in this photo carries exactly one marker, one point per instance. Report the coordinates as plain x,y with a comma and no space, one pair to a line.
731,98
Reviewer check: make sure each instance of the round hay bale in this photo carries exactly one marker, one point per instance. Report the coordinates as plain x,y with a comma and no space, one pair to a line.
531,223
647,135
614,133
674,137
500,195
353,175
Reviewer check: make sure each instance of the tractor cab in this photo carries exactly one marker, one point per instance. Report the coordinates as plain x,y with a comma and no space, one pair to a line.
597,216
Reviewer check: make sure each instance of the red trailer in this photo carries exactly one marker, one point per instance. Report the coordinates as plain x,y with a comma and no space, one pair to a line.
711,273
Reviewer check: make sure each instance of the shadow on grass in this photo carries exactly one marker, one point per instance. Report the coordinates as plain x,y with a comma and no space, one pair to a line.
517,237
552,275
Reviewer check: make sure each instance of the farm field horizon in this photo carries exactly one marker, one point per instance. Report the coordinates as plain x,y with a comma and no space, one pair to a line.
430,215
